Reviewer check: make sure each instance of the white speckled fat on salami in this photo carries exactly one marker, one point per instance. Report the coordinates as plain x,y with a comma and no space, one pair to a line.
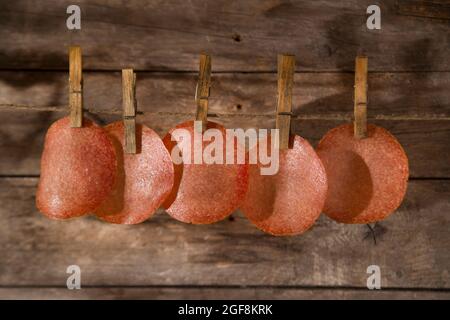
143,181
205,193
289,202
78,169
367,178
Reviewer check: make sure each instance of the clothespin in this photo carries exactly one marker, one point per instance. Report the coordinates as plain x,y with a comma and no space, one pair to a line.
129,109
286,70
202,90
75,87
360,106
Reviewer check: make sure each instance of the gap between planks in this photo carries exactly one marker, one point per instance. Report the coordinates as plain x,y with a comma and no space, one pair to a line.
224,72
331,117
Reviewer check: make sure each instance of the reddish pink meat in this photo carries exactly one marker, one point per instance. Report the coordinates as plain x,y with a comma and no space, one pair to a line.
78,169
143,181
205,193
289,202
367,178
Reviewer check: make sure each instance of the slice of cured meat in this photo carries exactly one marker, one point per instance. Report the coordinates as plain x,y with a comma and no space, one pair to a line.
143,181
204,193
290,201
367,178
78,169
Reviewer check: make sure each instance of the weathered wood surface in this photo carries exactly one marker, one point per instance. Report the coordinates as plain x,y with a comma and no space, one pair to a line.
403,95
409,79
166,99
240,35
439,9
411,248
22,135
186,293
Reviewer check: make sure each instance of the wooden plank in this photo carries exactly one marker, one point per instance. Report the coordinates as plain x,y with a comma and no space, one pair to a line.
215,293
405,95
411,248
426,9
240,35
21,144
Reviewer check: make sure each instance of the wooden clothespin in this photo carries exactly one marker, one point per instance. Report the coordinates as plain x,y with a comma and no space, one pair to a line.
129,109
360,107
203,89
286,70
75,87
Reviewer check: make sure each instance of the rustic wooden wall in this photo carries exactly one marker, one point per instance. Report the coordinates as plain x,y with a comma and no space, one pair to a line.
409,85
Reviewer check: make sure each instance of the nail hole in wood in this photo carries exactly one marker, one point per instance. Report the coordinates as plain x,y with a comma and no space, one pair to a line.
236,37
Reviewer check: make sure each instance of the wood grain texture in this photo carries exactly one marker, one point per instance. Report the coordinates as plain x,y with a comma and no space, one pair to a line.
202,90
75,87
166,99
286,71
409,81
21,144
185,293
407,96
427,9
411,249
360,100
129,109
239,35
130,135
128,93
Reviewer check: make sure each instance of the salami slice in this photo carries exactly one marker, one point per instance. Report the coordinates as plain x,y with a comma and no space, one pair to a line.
367,178
290,201
78,169
204,193
143,181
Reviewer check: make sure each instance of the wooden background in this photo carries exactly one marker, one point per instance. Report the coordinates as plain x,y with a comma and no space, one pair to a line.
409,83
